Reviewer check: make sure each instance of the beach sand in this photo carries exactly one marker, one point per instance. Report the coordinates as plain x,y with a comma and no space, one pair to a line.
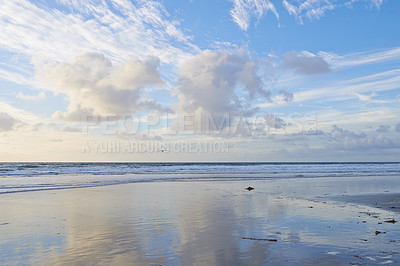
303,221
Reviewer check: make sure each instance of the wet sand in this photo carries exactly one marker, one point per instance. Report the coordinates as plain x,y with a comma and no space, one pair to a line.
327,221
385,201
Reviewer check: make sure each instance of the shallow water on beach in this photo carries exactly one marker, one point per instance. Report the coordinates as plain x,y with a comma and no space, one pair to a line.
280,222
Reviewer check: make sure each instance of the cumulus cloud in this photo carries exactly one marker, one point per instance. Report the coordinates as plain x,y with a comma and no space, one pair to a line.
344,139
7,122
341,133
220,82
305,63
368,143
95,87
71,129
275,122
284,96
383,129
397,128
243,10
40,96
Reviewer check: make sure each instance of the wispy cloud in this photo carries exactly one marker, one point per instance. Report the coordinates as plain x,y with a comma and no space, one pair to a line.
363,58
316,9
37,97
119,29
311,9
243,11
373,3
365,97
16,77
19,114
349,89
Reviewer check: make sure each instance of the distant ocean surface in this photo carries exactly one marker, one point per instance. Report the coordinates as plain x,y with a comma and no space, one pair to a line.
19,177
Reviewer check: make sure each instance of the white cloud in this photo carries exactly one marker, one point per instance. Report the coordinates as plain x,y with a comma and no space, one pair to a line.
243,11
364,97
383,81
373,3
315,9
311,9
366,144
341,133
120,29
274,122
356,59
94,86
219,82
19,114
15,77
305,63
40,96
283,97
7,122
358,120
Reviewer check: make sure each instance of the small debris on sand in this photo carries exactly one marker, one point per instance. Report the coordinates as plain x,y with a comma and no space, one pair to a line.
249,188
377,232
391,221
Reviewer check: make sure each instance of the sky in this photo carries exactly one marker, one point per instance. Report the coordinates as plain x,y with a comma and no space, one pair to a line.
200,80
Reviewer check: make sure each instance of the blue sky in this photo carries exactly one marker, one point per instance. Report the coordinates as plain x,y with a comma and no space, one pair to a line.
275,80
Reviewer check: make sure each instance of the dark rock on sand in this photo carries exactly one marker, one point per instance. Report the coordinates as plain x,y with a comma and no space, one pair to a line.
261,239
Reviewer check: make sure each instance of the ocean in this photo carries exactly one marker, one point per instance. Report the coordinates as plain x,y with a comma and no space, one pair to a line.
20,177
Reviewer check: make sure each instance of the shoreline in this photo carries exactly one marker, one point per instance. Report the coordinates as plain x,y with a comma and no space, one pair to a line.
91,180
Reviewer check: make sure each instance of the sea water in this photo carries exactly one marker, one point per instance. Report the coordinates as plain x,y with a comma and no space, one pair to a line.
19,177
